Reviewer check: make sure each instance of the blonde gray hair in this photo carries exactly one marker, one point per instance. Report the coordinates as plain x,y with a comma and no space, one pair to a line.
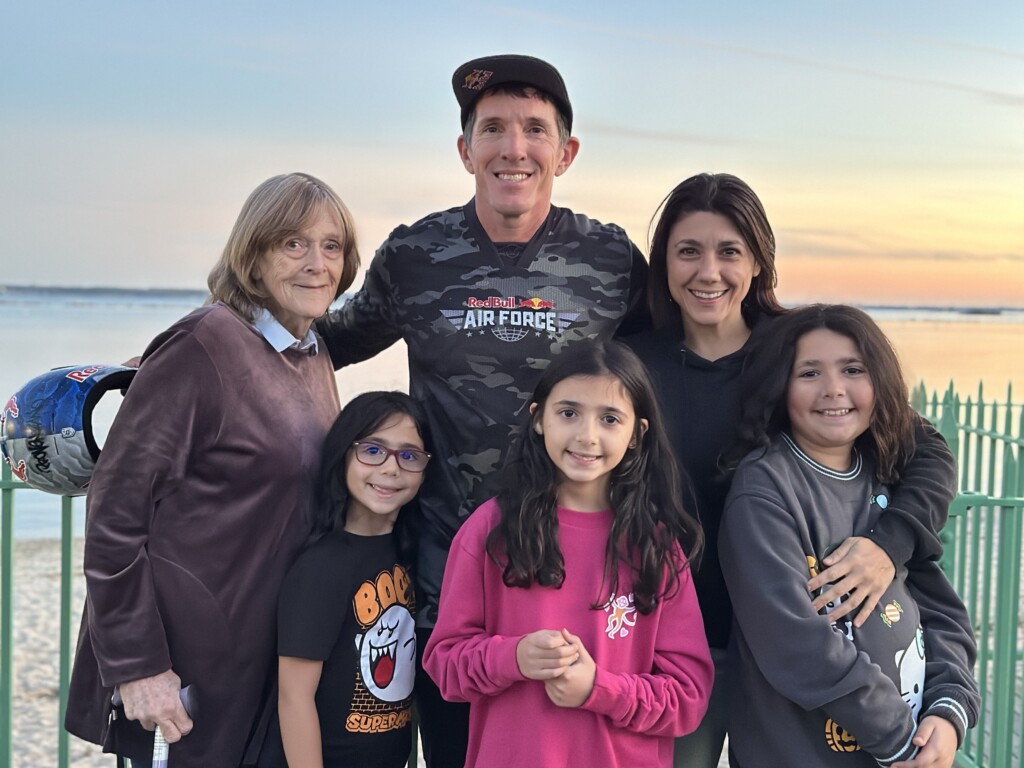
277,209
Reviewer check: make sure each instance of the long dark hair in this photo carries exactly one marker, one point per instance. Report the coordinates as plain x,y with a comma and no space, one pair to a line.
361,417
732,198
888,441
646,493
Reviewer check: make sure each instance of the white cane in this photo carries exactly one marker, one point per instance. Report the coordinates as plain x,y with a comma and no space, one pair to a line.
160,746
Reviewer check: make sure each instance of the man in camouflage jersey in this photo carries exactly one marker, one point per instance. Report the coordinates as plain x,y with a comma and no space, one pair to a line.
484,296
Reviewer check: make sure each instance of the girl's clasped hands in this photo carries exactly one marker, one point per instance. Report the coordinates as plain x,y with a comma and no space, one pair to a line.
561,661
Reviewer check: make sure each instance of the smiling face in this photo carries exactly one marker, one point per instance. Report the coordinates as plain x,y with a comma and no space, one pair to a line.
301,274
588,423
830,397
709,267
377,493
515,154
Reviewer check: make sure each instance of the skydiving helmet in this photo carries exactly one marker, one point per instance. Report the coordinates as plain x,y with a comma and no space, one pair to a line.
46,433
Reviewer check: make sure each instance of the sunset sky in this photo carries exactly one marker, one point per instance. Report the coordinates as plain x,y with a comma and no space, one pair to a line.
886,140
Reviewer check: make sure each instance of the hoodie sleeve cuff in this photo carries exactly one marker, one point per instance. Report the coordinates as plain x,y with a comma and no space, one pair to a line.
952,709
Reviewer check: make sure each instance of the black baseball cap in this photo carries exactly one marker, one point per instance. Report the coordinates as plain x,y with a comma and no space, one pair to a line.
473,78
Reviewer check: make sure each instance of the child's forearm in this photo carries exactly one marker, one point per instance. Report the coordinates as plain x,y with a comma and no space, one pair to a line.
300,732
467,668
297,682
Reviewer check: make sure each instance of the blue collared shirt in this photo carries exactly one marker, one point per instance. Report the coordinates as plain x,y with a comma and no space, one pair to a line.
279,338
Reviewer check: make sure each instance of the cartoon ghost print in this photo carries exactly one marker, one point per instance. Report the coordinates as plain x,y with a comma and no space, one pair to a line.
911,662
387,647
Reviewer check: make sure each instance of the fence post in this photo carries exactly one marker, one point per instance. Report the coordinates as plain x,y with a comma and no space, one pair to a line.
948,426
6,611
1006,616
67,538
919,399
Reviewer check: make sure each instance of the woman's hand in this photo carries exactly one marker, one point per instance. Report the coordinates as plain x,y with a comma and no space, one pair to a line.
573,686
936,738
544,654
155,701
859,569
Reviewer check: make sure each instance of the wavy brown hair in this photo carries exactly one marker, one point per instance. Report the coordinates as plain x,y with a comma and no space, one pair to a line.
889,439
646,493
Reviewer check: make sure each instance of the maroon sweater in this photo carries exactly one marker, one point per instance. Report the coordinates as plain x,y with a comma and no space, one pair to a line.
200,501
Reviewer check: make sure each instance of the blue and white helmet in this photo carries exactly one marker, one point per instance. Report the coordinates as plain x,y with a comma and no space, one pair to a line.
46,431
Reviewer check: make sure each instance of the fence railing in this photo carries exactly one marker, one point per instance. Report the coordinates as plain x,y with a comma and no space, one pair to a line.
983,542
982,558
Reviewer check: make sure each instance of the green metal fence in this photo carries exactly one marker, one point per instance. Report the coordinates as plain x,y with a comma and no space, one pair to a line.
983,559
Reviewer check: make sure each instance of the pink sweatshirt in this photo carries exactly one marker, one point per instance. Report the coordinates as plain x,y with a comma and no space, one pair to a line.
654,672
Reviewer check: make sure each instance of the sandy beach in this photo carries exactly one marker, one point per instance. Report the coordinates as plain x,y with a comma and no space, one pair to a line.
36,634
37,656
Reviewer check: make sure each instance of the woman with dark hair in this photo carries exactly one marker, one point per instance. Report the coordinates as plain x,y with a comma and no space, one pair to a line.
204,492
711,294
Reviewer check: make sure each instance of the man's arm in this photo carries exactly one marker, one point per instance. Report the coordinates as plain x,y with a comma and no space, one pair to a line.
637,317
366,324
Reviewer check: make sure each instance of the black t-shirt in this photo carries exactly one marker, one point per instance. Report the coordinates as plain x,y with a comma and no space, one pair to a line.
347,602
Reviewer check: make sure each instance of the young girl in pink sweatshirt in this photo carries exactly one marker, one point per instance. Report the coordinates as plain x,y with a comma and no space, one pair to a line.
568,617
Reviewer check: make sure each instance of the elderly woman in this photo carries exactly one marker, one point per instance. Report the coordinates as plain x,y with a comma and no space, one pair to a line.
711,293
204,492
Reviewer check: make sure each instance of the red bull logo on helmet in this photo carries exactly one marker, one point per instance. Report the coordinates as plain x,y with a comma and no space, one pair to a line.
18,469
82,374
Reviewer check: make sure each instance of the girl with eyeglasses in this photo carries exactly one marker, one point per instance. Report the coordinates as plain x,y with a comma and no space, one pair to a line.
346,635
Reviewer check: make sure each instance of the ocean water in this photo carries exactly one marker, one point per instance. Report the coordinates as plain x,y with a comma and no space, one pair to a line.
48,328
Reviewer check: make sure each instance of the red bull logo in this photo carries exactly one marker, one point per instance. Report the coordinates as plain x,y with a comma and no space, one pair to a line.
509,302
536,303
18,470
492,302
510,318
11,411
84,373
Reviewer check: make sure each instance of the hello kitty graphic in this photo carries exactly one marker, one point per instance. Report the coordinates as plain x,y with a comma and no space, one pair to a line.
910,662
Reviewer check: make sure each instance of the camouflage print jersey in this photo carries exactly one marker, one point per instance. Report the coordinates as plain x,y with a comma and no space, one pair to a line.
481,327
